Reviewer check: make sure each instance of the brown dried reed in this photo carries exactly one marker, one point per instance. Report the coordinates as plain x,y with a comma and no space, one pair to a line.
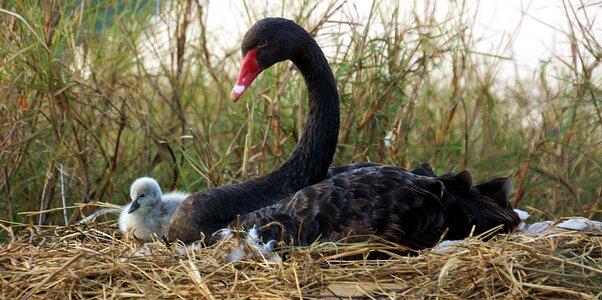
94,261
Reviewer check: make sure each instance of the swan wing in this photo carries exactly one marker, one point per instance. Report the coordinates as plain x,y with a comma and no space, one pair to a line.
377,200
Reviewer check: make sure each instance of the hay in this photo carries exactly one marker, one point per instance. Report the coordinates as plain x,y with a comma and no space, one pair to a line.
94,261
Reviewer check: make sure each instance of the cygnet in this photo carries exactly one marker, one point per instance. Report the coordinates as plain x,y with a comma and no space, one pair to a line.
149,213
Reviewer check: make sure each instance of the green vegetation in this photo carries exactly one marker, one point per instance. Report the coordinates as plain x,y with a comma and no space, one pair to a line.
88,104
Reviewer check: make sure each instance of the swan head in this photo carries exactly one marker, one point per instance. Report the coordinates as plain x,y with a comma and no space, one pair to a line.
269,41
145,193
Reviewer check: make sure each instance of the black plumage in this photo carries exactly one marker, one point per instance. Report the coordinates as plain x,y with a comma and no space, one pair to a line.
389,202
304,201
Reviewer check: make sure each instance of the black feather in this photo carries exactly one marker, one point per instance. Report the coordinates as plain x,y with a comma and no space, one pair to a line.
304,201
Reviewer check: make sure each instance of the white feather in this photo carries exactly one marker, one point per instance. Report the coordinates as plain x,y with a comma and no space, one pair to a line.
251,247
522,215
581,224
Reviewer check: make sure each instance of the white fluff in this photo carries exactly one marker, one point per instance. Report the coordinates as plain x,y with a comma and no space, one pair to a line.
388,139
184,249
581,224
538,228
251,247
522,215
576,224
151,219
448,246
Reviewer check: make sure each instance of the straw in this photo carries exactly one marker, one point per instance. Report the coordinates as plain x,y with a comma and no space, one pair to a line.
94,261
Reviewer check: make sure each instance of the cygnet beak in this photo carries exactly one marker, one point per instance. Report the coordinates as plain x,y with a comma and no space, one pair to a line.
135,205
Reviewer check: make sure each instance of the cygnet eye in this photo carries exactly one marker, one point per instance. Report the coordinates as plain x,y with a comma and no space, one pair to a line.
141,196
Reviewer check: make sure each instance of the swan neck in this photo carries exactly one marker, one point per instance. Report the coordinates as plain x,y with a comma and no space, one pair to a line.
308,163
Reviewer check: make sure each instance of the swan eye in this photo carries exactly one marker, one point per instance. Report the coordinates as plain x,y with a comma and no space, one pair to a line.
262,43
142,196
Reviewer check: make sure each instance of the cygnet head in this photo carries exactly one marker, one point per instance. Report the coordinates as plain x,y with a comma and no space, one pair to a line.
145,193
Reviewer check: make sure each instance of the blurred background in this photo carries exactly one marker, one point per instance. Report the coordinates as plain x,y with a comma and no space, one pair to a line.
95,94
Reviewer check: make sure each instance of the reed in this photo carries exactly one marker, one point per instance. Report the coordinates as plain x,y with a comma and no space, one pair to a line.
91,89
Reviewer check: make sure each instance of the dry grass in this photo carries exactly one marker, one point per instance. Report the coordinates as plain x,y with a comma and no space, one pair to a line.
94,261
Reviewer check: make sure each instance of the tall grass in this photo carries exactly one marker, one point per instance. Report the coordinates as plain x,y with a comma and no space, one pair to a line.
91,100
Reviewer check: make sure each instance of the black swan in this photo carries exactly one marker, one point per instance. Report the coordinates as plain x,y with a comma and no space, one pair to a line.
311,202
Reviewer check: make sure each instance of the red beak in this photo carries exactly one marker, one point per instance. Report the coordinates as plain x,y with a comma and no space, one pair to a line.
249,70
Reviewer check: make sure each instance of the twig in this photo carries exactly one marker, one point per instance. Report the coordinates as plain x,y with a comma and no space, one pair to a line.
122,124
63,195
9,232
43,199
98,213
297,285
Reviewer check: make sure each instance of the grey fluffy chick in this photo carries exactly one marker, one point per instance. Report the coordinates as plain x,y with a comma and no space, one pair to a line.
147,217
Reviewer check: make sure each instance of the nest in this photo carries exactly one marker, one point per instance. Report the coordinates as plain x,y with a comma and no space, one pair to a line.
96,261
